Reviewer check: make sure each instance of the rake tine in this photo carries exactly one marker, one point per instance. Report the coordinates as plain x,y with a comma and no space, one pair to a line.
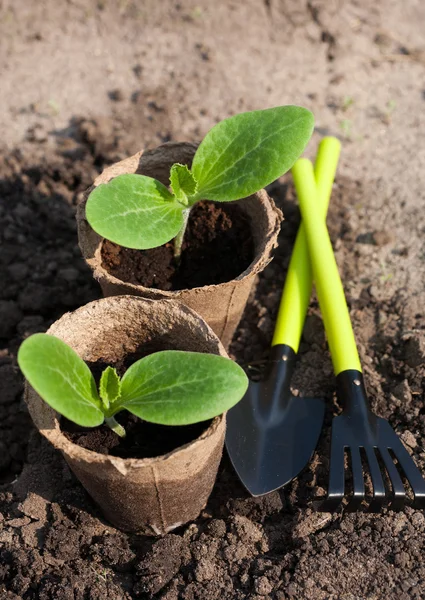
336,478
378,484
358,480
412,473
399,493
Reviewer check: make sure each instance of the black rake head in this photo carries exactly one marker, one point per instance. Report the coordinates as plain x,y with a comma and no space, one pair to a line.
371,445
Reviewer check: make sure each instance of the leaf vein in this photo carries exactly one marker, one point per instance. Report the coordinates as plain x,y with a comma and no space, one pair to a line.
243,157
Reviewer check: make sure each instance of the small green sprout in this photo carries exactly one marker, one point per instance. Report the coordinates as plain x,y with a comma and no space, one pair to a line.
54,107
347,102
346,127
387,114
171,387
391,106
237,157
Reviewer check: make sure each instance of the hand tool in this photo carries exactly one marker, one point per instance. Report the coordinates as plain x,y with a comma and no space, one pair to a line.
271,434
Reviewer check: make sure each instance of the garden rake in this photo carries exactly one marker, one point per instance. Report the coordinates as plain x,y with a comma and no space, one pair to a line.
357,429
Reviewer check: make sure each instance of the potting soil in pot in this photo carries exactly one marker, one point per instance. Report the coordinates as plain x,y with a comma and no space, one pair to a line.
142,440
217,247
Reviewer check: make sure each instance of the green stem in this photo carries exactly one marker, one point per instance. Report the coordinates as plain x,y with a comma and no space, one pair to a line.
178,240
115,426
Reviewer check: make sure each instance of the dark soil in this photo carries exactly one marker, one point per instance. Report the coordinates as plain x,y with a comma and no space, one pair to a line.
55,545
142,440
42,273
217,247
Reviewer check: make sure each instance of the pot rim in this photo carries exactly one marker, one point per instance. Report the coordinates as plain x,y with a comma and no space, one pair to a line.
60,441
261,258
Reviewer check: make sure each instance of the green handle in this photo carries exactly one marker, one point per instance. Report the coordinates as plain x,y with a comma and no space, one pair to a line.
325,270
299,279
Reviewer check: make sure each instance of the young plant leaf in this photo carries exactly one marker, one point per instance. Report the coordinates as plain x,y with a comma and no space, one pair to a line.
244,153
109,386
134,211
61,378
182,182
180,388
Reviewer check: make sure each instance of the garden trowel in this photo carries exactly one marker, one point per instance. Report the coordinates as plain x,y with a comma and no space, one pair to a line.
271,434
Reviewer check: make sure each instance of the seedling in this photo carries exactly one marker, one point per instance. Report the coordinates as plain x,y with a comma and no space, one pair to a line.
390,107
171,387
346,127
237,157
347,103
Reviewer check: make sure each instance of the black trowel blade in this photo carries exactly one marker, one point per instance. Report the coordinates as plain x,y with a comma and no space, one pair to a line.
271,434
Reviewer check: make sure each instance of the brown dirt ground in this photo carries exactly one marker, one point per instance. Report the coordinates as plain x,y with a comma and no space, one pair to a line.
85,83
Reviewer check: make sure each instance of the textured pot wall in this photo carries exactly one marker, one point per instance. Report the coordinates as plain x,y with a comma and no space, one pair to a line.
220,305
154,495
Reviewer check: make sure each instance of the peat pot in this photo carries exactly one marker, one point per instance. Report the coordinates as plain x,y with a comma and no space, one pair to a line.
150,495
220,305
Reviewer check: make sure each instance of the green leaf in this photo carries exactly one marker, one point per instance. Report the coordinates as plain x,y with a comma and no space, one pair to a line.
180,388
109,386
244,153
61,378
182,182
134,211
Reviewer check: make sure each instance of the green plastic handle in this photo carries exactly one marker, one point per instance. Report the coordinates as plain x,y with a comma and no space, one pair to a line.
299,279
330,292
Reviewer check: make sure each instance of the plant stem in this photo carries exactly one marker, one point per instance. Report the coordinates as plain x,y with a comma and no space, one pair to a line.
178,240
115,426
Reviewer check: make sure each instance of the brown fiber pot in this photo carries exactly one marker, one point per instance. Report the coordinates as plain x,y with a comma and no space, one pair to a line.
220,305
152,495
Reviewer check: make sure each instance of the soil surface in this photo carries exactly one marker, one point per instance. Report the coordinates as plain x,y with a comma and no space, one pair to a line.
217,247
142,73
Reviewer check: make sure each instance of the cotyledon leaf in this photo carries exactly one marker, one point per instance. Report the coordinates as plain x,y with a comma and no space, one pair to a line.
134,211
180,388
244,153
61,378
